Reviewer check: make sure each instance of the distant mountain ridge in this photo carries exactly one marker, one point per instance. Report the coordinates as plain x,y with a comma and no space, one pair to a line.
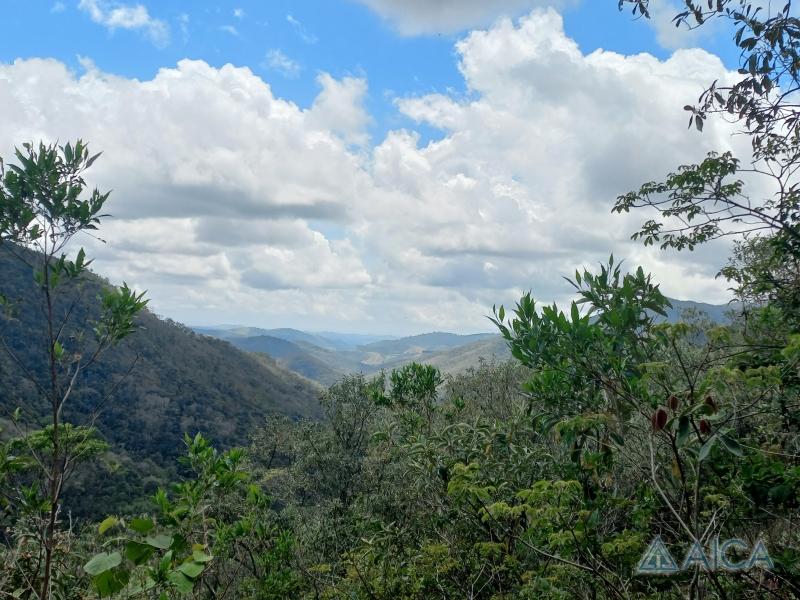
427,342
300,357
716,312
325,357
326,340
316,356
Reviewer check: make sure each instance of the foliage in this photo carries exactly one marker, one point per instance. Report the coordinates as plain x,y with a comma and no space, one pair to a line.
547,477
216,529
42,208
157,384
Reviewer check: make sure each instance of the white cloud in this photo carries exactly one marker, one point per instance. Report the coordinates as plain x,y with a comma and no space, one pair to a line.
222,184
300,29
238,13
530,164
230,29
183,23
339,108
681,35
232,204
671,35
58,7
278,61
115,16
413,17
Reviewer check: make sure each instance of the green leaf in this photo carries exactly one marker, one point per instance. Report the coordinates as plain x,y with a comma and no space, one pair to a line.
92,159
706,448
109,583
102,562
107,524
181,582
160,541
201,557
58,349
703,409
141,525
731,445
166,562
191,569
683,431
137,587
138,553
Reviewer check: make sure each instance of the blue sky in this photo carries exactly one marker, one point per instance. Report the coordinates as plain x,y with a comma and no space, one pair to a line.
389,166
340,37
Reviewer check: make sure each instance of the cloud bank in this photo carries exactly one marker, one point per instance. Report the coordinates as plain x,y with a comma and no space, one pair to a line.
231,204
413,17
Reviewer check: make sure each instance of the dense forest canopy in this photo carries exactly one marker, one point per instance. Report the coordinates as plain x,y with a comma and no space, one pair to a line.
615,455
142,398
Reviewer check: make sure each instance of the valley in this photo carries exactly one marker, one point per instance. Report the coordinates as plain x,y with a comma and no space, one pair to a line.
326,357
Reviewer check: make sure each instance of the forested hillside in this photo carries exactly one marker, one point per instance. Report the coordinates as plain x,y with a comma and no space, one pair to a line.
156,386
325,361
317,364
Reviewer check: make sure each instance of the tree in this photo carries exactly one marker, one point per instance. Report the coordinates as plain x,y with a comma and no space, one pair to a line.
43,208
705,201
215,533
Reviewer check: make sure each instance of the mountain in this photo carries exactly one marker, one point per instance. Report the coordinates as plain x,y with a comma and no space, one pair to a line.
295,335
457,360
354,340
317,356
436,341
325,362
317,364
179,381
325,339
717,313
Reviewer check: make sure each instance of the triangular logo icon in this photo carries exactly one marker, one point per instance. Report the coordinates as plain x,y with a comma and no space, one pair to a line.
657,560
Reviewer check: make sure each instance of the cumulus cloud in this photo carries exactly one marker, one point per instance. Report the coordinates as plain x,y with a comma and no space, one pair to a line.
530,163
115,16
234,205
672,35
413,17
339,107
208,155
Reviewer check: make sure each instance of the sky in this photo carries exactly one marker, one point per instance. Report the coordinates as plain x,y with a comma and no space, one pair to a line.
371,166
